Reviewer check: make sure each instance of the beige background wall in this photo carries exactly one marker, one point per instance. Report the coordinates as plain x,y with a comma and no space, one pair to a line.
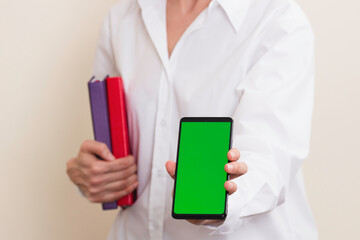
46,53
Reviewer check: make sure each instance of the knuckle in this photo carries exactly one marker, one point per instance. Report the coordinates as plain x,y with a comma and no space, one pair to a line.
68,165
110,197
127,161
93,191
85,144
129,171
120,185
131,159
237,167
131,179
103,148
94,181
124,174
123,183
87,174
124,163
129,189
81,158
95,169
128,181
118,195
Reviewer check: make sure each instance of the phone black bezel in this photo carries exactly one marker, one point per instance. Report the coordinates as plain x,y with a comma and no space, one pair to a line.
201,216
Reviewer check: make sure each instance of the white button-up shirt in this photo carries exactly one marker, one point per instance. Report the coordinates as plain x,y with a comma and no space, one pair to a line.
249,60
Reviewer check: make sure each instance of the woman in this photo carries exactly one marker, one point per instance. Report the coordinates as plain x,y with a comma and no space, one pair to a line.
251,60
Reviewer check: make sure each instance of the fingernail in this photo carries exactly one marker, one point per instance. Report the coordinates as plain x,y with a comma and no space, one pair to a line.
110,156
230,167
233,155
230,186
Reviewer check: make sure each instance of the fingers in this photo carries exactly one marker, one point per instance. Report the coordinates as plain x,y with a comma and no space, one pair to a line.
121,184
105,187
101,174
230,187
121,174
110,196
233,154
101,188
97,148
113,186
203,222
170,168
74,173
119,164
236,169
94,167
101,180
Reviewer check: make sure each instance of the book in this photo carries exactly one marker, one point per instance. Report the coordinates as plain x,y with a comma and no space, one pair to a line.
100,119
118,126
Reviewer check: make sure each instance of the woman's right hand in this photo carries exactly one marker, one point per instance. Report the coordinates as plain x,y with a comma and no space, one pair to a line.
103,180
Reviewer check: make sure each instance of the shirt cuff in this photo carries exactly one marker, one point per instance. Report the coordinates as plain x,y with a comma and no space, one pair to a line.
254,195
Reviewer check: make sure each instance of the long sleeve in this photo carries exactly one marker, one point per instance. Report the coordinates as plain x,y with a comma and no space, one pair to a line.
251,60
272,120
104,63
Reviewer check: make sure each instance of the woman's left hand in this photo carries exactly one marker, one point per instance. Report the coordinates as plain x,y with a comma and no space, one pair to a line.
234,168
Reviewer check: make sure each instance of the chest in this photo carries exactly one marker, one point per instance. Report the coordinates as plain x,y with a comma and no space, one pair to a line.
200,78
179,18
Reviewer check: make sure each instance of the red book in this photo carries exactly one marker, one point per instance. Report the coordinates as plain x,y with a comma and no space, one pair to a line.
118,126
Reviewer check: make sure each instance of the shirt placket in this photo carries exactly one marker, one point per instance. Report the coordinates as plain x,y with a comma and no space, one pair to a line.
157,195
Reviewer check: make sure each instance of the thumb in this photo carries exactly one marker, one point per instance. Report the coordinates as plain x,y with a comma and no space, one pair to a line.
170,168
98,149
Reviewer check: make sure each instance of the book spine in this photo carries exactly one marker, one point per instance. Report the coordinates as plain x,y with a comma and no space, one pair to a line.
100,120
118,126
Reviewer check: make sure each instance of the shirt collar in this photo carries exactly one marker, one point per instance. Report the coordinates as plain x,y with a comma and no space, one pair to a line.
150,3
235,10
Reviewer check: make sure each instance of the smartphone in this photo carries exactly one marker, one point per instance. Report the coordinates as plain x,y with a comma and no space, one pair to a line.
199,191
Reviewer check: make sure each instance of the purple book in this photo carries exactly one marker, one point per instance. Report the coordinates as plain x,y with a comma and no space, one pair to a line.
100,119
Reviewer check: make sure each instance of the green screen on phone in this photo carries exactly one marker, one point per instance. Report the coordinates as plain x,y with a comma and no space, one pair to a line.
200,175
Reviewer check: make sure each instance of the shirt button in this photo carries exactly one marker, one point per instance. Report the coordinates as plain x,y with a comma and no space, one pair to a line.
163,123
159,173
154,225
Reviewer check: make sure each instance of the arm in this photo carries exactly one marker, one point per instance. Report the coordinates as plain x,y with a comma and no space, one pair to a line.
271,125
108,179
272,122
105,63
